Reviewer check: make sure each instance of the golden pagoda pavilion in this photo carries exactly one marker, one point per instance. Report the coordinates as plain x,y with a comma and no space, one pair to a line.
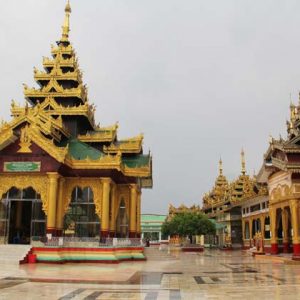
223,204
280,170
60,173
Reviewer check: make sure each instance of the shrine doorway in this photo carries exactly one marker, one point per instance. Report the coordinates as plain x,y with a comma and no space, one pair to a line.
21,216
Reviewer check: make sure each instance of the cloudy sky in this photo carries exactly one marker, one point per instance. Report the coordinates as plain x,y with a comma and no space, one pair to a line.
201,79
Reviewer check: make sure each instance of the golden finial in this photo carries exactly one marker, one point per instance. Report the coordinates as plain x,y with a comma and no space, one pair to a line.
220,167
66,25
243,162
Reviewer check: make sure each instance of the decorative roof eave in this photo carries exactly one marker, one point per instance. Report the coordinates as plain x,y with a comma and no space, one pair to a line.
67,62
44,76
38,118
100,135
133,145
106,162
59,153
7,137
137,172
278,163
61,49
256,198
79,92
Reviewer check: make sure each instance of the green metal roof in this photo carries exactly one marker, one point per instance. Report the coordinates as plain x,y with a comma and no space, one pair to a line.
136,161
153,218
79,150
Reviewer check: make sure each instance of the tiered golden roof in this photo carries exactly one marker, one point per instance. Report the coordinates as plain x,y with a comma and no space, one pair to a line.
60,120
244,187
219,193
181,209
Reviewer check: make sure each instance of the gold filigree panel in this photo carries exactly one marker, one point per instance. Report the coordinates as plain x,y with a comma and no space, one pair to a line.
38,183
280,193
93,183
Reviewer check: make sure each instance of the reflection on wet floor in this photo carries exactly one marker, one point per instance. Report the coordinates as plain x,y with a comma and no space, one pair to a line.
166,275
7,283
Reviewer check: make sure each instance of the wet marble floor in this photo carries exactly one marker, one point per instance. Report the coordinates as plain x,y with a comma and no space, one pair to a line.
165,275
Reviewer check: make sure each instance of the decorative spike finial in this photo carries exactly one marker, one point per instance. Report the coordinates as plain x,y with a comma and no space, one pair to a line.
243,162
220,167
66,25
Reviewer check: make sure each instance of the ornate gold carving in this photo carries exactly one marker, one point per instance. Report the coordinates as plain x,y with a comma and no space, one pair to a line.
6,137
38,183
79,92
132,145
25,140
93,183
104,134
104,162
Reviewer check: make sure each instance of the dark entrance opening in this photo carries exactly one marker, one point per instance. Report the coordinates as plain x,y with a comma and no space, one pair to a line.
22,218
20,222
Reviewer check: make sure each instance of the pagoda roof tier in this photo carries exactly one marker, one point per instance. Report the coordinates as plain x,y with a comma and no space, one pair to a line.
61,49
80,156
53,127
58,74
61,61
104,134
132,145
47,129
55,91
52,108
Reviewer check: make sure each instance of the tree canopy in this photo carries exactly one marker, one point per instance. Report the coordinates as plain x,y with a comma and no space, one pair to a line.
187,224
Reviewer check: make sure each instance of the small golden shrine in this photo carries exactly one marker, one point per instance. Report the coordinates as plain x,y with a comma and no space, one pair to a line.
60,173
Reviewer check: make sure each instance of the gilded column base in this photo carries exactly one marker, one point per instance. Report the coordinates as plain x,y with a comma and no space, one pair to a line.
274,249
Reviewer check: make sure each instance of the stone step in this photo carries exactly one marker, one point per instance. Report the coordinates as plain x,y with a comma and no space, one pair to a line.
13,253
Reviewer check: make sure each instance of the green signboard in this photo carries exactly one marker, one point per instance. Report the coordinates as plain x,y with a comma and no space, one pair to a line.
22,166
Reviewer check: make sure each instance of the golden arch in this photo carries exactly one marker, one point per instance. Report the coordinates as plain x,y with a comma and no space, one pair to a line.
38,183
95,186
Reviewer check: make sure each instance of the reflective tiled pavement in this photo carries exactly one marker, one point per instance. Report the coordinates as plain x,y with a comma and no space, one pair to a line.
210,275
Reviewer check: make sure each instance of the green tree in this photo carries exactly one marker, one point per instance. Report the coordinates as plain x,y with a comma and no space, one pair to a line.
188,224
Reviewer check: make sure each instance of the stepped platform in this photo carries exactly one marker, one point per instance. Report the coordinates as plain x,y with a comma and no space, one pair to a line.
13,254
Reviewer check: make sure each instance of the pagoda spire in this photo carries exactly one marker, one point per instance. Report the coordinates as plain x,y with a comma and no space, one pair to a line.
220,167
243,162
66,25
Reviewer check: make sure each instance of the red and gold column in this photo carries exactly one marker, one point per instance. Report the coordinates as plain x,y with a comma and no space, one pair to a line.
285,230
60,208
138,215
112,221
133,204
105,207
274,238
250,232
52,202
262,224
294,207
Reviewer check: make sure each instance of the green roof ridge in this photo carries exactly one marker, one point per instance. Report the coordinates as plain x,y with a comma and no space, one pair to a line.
80,150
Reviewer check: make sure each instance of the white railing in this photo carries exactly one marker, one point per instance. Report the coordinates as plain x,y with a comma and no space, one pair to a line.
86,242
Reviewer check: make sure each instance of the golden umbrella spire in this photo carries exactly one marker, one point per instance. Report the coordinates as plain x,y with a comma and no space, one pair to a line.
66,25
243,162
220,167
